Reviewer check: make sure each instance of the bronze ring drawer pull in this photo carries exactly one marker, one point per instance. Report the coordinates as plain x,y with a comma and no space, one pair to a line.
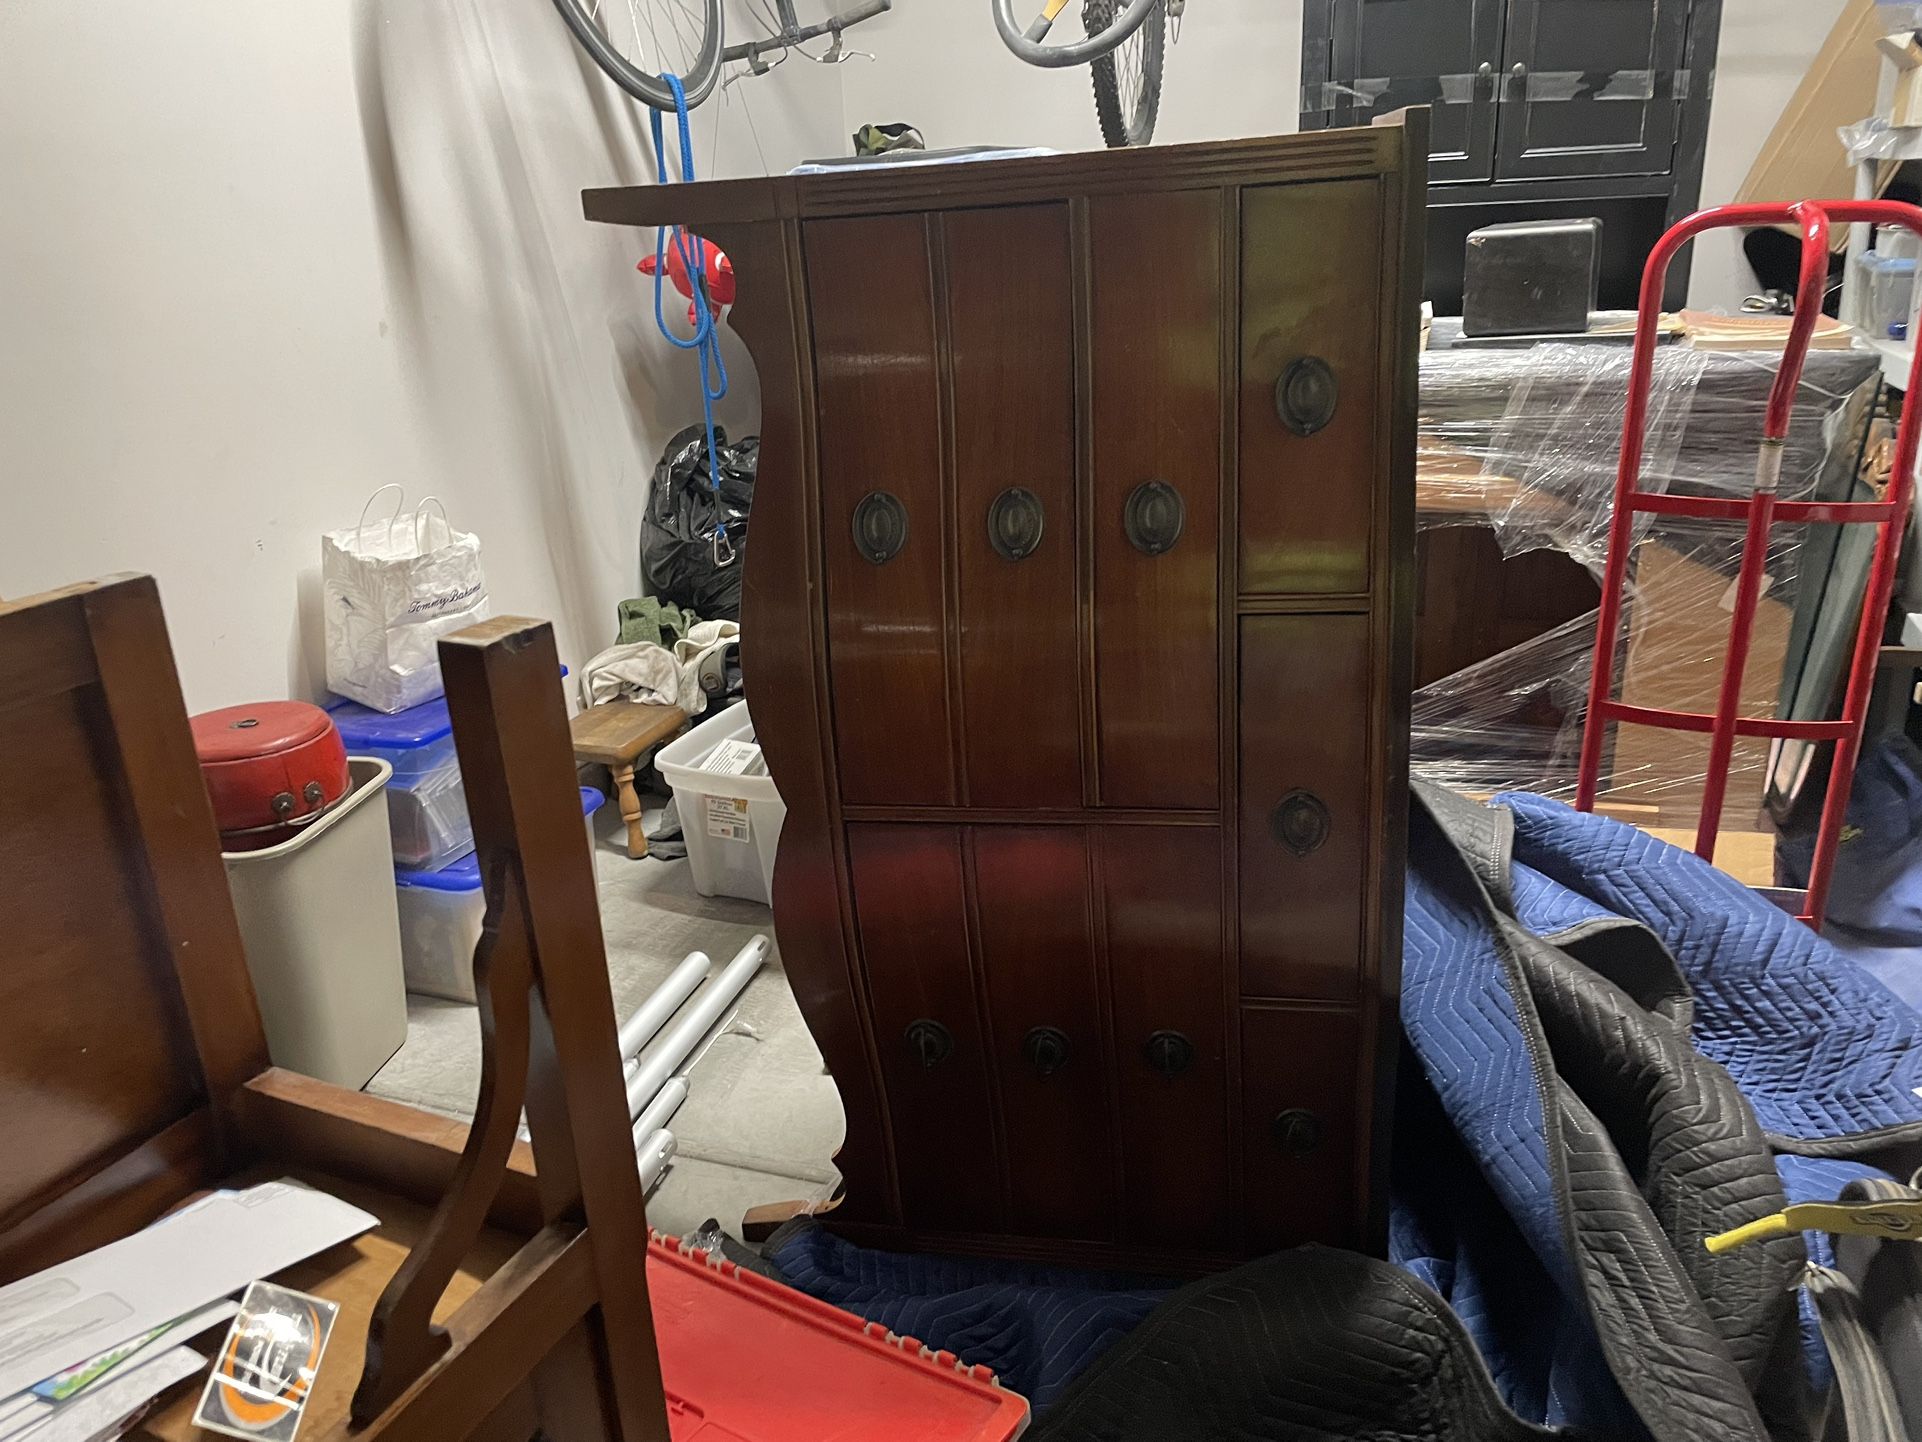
1046,1048
1169,1052
1301,822
1306,395
880,527
1297,1132
930,1042
1153,517
1015,523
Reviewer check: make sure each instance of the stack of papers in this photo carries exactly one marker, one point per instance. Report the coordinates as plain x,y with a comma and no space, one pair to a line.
735,758
1710,331
85,1346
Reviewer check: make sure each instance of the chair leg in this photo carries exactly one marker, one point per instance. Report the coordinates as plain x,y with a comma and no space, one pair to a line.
630,811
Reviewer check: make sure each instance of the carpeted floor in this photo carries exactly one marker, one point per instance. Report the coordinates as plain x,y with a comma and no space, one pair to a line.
761,1119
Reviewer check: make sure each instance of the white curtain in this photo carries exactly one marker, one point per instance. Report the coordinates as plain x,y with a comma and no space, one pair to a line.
528,333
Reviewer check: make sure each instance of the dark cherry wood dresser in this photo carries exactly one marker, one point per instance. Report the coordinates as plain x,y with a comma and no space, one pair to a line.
1077,628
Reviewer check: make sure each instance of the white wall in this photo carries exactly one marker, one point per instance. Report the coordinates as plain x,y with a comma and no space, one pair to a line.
940,66
255,261
1766,48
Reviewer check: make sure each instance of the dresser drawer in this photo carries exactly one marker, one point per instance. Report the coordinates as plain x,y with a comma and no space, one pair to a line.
1010,334
1035,930
1299,1077
1305,744
1311,282
1155,272
881,510
911,916
1161,898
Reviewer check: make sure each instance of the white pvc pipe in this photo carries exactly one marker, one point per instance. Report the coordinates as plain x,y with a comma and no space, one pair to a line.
657,1113
654,1157
651,1015
679,1040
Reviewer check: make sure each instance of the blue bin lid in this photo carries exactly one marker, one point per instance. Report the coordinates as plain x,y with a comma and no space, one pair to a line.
464,875
362,727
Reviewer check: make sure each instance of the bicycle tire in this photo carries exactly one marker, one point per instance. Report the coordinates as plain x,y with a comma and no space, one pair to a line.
649,89
1127,120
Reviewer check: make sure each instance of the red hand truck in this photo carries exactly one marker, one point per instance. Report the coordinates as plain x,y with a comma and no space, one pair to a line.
1761,510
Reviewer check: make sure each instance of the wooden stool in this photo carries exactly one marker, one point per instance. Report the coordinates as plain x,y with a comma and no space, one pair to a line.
617,734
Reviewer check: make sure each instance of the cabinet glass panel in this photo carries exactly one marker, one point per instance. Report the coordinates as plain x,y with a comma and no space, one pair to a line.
1589,87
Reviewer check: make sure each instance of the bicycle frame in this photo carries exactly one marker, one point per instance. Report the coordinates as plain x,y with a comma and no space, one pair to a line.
794,33
1761,510
1027,43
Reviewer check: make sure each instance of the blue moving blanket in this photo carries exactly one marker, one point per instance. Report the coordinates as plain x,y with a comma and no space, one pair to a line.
1613,1051
1562,1007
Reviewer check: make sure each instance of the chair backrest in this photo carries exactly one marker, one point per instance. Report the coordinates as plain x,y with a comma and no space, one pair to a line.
133,1071
128,1014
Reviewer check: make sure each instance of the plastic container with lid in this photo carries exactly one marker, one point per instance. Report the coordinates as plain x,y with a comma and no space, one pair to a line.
415,742
1892,288
732,823
428,818
440,919
426,807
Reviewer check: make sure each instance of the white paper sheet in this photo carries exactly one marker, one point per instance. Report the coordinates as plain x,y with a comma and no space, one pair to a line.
19,1413
143,1347
68,1313
95,1410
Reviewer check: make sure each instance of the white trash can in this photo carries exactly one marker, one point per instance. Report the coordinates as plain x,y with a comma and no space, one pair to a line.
732,823
322,933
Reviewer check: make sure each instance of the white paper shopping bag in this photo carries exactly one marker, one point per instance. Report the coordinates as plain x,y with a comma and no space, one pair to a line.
391,589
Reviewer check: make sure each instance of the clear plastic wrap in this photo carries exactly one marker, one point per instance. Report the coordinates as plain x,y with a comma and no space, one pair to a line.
1527,441
1498,423
1876,139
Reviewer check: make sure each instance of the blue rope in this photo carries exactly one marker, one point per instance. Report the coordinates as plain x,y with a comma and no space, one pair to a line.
693,252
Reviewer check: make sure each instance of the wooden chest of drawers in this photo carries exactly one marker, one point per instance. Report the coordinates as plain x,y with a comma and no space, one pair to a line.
1076,630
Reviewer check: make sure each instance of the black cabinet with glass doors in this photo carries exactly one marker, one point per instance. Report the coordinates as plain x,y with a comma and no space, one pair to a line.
1541,109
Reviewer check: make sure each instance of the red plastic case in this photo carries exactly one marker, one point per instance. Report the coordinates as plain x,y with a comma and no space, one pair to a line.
746,1359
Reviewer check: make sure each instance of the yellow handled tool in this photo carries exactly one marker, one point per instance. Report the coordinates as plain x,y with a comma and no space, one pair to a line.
1892,1221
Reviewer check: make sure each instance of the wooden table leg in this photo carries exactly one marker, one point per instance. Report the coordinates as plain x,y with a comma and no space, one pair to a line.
630,811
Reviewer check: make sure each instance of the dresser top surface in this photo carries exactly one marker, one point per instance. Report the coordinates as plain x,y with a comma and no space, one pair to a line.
1022,179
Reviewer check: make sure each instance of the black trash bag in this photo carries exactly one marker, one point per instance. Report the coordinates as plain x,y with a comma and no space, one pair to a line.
679,554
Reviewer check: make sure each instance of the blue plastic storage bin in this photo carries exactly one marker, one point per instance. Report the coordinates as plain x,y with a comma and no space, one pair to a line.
426,807
440,919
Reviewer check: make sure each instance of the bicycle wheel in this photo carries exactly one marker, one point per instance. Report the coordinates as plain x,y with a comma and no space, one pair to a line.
1127,80
638,41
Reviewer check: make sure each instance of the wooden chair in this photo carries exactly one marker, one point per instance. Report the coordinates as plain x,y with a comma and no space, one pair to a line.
498,1297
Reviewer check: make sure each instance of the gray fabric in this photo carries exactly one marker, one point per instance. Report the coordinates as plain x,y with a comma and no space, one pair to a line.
1887,1275
1307,1344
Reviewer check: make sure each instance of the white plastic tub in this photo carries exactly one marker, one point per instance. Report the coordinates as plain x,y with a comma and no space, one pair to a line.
440,919
732,823
322,939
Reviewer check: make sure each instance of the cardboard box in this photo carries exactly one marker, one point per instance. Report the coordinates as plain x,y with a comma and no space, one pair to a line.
1802,158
